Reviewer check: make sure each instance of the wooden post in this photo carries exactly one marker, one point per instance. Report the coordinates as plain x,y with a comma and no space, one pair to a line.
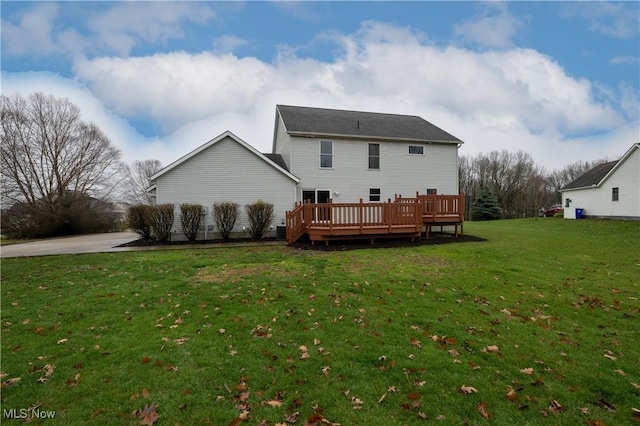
361,214
330,216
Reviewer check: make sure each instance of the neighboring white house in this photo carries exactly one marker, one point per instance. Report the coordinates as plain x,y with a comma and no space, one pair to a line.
609,190
318,154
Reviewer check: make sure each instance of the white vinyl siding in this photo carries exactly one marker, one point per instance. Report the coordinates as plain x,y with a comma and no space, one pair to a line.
402,174
282,141
225,171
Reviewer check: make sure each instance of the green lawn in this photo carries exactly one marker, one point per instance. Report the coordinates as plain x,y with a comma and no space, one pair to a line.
538,325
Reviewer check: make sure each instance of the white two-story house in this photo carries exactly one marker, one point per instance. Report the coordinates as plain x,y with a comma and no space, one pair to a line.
318,154
352,155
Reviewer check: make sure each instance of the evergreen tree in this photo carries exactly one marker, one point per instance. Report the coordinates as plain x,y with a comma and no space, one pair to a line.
486,207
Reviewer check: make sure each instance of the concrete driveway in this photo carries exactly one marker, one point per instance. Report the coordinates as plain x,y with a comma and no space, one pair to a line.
93,243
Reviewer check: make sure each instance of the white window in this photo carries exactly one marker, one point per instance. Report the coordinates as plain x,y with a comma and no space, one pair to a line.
326,154
416,150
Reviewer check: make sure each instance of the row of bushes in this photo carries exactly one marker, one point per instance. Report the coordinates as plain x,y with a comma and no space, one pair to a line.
158,220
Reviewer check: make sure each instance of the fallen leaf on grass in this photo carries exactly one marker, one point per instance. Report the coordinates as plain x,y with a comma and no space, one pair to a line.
528,371
512,395
357,403
10,382
555,407
468,389
48,372
491,349
482,409
181,341
61,341
384,395
74,381
148,415
607,405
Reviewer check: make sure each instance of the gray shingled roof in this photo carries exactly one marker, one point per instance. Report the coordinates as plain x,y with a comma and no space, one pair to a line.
278,159
356,124
592,177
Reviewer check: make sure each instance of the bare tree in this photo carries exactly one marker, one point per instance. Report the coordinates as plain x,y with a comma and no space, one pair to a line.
138,182
51,159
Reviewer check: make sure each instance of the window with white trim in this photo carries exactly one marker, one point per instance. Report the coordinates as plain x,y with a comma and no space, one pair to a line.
615,194
326,154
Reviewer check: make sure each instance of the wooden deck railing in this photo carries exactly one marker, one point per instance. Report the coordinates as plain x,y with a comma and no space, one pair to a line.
401,216
295,225
439,207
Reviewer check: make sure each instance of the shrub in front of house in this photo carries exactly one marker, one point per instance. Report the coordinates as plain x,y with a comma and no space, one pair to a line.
260,215
161,221
190,220
225,214
138,218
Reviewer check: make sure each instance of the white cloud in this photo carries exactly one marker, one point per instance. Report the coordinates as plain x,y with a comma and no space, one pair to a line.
32,32
116,29
494,27
228,43
623,60
92,109
515,99
615,19
128,24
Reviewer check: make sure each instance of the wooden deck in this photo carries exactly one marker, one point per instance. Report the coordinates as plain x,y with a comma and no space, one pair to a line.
402,217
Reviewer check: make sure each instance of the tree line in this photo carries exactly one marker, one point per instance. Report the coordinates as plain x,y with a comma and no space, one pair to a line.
62,175
522,187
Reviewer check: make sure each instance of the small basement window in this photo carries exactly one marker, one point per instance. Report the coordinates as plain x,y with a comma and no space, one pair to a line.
374,194
416,150
615,194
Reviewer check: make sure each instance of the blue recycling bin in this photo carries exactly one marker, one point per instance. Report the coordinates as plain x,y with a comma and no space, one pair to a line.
579,213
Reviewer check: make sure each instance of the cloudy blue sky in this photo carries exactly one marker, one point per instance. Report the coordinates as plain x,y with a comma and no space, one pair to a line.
559,80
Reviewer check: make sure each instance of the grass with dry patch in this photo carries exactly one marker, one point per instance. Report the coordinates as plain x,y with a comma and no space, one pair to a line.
538,324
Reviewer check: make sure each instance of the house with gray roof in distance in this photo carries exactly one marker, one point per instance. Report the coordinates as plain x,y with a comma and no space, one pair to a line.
318,155
609,190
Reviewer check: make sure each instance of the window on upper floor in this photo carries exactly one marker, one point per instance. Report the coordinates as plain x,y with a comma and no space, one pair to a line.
416,150
326,154
374,194
374,156
615,194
